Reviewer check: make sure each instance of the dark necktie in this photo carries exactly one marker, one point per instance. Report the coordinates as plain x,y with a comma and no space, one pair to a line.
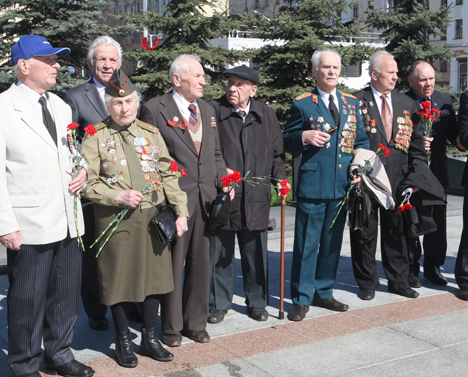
242,113
193,114
134,163
334,111
387,118
47,119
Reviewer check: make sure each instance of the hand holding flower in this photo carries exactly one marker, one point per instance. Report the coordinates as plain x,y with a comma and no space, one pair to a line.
427,143
77,183
129,198
283,188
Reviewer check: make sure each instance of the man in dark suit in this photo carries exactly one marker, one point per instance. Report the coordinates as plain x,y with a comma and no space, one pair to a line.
391,120
325,128
87,104
461,265
37,225
188,126
251,141
422,80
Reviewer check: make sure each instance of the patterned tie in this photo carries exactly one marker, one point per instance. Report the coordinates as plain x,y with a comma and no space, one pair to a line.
134,164
47,119
193,114
242,113
387,119
334,111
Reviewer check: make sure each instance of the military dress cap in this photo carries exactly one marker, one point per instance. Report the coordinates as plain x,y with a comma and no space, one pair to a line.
119,84
34,45
243,72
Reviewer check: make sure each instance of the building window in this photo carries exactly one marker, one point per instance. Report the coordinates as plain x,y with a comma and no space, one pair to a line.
370,4
156,4
459,29
356,11
443,37
443,66
443,3
352,70
458,2
214,10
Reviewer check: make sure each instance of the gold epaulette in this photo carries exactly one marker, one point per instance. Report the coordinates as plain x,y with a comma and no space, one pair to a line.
303,95
103,124
148,127
348,95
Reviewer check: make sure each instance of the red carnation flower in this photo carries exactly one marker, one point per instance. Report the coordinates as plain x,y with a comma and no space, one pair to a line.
284,188
226,181
174,167
90,130
183,173
71,126
236,177
408,206
401,208
435,111
426,105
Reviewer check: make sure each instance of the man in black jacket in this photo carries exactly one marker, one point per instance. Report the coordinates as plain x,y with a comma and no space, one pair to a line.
422,80
251,142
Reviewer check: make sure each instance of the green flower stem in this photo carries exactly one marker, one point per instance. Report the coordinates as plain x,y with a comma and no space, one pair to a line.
117,220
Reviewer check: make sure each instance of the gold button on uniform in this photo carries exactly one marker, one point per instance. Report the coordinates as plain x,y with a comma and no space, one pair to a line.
339,165
339,155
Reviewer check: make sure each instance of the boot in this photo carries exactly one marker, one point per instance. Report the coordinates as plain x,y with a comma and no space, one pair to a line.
150,345
124,350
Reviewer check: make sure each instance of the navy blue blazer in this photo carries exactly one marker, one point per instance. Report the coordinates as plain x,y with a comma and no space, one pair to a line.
323,171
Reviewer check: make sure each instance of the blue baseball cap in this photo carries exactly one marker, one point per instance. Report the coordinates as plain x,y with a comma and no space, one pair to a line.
34,45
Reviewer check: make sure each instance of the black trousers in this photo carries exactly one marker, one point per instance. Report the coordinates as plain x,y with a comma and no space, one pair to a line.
393,248
43,303
461,265
434,244
254,262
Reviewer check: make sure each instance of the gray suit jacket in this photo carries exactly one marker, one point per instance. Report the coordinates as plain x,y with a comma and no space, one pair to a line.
204,170
86,104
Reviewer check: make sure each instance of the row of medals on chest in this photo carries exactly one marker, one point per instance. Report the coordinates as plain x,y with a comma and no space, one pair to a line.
349,129
147,152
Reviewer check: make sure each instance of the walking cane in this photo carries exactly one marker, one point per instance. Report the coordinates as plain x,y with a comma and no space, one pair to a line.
283,210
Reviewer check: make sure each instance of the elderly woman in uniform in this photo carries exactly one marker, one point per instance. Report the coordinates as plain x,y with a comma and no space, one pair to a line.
125,157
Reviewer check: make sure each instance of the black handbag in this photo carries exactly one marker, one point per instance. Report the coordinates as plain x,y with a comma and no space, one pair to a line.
358,214
164,223
220,212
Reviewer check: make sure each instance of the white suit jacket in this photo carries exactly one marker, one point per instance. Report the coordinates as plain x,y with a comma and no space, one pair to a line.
34,172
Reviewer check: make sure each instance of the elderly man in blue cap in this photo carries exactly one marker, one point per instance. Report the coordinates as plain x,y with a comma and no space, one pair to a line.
37,225
251,142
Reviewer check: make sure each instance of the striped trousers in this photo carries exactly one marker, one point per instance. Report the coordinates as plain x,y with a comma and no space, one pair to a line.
42,303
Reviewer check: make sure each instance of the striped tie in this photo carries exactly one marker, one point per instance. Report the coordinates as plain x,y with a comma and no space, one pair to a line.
193,114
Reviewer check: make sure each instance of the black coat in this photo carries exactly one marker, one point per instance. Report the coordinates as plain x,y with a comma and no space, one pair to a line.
463,126
255,146
445,127
399,164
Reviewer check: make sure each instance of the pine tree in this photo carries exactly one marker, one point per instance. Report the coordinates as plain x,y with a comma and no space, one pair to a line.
407,28
286,70
186,29
64,23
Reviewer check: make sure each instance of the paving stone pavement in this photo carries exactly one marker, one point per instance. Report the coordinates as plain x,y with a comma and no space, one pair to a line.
388,336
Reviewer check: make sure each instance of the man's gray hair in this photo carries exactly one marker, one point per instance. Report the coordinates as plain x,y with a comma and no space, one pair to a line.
16,67
412,72
376,59
103,40
316,56
179,65
108,97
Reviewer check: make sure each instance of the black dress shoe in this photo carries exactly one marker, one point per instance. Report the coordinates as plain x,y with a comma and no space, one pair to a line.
216,316
99,323
150,345
298,313
124,350
259,314
436,278
408,292
197,336
366,294
414,281
463,294
331,304
71,369
135,316
33,374
172,340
